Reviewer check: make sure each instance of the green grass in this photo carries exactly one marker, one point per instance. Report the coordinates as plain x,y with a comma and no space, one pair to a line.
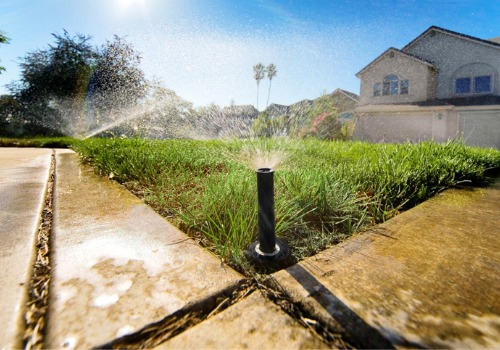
324,191
43,142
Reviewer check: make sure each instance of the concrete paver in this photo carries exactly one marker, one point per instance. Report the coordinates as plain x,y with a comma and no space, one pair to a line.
117,265
427,278
23,177
253,323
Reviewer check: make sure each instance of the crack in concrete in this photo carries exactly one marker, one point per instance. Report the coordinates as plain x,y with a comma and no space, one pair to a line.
38,290
156,333
335,338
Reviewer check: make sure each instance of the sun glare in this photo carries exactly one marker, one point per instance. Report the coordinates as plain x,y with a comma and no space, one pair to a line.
125,6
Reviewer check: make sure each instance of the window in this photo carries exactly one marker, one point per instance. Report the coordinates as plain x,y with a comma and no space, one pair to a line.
462,86
473,85
404,87
482,84
391,85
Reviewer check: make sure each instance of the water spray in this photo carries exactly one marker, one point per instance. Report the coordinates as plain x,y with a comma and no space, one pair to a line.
267,250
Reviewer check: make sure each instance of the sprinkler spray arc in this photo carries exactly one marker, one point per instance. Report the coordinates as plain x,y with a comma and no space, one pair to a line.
267,250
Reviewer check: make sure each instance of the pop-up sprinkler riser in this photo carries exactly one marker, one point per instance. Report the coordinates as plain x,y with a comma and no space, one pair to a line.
268,249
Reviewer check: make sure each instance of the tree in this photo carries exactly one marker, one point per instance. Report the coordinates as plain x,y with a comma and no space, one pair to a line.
259,72
53,84
209,121
73,86
323,122
9,113
268,126
3,40
165,115
117,83
271,73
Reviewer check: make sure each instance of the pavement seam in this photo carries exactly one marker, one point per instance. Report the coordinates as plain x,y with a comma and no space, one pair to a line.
38,288
335,338
156,333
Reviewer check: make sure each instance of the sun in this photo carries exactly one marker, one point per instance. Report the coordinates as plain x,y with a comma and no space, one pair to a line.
129,5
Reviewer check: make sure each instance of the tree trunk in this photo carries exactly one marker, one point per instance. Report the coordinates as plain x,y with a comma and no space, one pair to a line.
269,93
257,96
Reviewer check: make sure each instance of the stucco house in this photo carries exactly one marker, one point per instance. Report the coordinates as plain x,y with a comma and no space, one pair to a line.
443,84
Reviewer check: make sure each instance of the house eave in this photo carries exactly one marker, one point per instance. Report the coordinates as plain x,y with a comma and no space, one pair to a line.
375,109
398,52
400,108
451,33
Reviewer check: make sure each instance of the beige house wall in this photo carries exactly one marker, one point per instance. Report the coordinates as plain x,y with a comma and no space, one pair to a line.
419,75
391,118
480,125
456,57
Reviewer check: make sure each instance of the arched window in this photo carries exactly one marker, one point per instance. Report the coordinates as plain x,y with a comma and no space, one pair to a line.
391,85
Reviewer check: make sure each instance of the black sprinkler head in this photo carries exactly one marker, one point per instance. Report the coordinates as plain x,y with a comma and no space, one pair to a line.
267,250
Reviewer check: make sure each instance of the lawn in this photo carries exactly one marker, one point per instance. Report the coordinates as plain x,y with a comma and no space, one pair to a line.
324,191
43,142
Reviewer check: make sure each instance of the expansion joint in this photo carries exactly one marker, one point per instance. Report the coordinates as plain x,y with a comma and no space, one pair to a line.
38,288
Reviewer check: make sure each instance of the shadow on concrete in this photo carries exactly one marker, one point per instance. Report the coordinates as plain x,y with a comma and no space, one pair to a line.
358,332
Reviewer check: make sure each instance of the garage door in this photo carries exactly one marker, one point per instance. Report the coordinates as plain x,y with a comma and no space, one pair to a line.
481,128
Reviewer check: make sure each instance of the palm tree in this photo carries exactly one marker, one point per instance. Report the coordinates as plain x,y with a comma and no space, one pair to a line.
259,71
271,73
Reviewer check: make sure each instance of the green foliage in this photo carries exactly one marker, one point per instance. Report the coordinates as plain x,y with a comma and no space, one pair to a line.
117,83
71,85
40,142
265,126
164,115
54,80
3,40
9,110
323,120
324,191
320,120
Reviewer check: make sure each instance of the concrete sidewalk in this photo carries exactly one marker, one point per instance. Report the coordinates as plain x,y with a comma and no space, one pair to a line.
427,278
117,265
23,178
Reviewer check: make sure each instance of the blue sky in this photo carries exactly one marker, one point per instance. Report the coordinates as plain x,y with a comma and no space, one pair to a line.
205,49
